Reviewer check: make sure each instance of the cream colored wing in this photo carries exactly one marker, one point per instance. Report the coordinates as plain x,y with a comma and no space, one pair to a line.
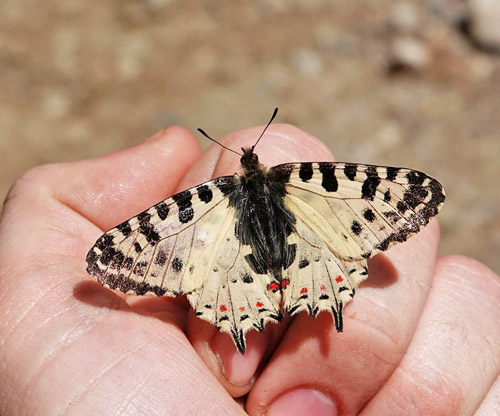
347,213
166,249
361,210
233,297
319,280
187,245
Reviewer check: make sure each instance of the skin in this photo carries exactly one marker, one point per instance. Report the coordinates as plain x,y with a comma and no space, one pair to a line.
420,337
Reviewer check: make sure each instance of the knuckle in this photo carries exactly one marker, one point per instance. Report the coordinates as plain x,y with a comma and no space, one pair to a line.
32,181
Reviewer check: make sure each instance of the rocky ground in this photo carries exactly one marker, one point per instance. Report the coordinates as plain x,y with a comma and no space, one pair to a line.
411,83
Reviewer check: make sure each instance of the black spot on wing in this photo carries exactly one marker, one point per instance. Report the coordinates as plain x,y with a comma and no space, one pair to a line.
183,201
186,215
128,263
161,258
392,173
305,171
369,215
410,199
432,206
401,207
247,278
350,170
124,228
92,257
303,263
140,268
162,210
117,259
205,194
369,187
92,266
419,191
398,236
356,227
104,241
137,247
391,216
387,196
177,264
329,181
107,255
147,229
144,217
415,177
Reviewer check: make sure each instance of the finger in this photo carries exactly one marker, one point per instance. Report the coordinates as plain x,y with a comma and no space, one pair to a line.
341,371
454,357
110,189
281,143
491,403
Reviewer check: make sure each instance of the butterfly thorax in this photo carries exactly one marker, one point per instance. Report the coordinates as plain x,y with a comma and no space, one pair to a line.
263,220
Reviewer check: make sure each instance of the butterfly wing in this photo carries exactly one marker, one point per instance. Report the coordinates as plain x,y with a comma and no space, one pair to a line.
186,244
347,213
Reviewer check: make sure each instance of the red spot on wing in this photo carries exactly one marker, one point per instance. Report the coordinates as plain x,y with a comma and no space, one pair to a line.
339,279
222,308
285,282
322,287
303,290
259,304
242,308
273,286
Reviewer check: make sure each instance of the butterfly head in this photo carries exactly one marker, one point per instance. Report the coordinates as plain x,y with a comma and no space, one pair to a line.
249,160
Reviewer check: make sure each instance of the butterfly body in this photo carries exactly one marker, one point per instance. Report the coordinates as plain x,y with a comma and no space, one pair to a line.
249,247
263,221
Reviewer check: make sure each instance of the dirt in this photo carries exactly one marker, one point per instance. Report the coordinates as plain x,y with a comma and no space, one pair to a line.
392,83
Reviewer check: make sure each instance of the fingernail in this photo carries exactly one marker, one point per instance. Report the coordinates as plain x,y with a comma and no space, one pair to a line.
303,402
237,368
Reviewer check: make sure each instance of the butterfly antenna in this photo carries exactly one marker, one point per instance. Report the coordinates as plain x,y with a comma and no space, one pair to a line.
220,144
265,128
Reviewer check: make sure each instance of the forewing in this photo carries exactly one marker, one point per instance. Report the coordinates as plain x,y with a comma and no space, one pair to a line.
361,210
166,249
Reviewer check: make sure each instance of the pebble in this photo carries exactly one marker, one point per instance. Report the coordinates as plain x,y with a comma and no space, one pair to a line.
485,22
409,53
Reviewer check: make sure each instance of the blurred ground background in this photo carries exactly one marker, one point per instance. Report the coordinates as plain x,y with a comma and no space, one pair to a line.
405,83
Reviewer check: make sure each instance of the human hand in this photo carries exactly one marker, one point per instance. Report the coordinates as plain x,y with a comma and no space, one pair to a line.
420,337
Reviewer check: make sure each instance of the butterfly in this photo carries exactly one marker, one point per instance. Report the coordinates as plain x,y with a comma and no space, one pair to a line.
250,247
